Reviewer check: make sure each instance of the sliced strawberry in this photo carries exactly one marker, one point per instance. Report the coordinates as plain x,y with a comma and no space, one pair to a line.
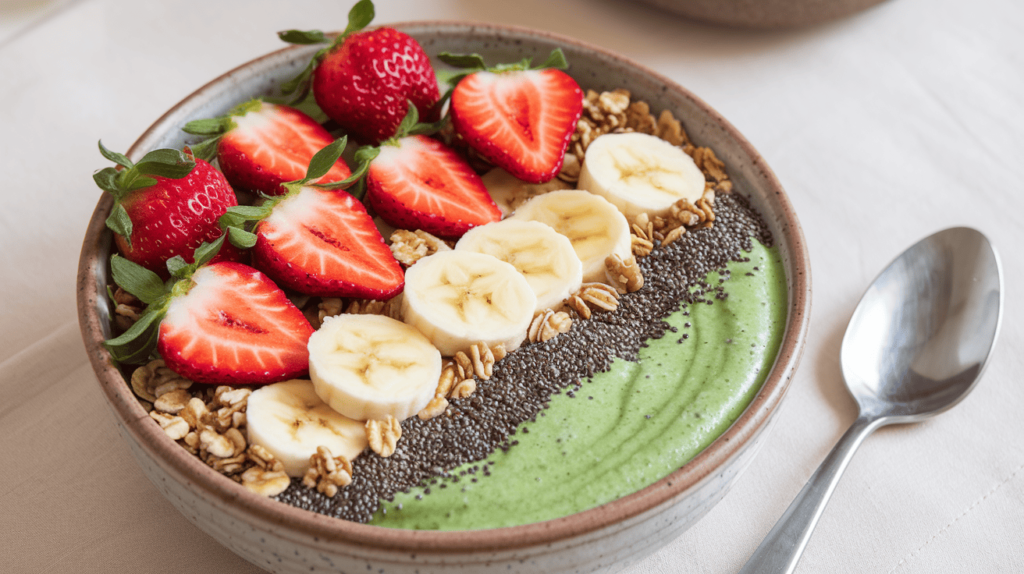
166,205
520,120
419,183
266,145
234,326
322,242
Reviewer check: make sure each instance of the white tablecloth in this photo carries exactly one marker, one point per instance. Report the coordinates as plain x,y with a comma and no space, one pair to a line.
883,128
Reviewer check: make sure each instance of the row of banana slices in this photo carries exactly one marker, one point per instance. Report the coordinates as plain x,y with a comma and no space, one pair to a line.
486,290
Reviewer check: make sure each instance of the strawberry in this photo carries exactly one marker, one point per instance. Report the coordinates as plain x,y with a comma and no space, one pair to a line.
166,205
520,119
363,80
234,326
260,145
419,183
317,239
217,323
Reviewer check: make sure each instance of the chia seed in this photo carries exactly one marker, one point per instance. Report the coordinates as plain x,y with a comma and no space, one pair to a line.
524,381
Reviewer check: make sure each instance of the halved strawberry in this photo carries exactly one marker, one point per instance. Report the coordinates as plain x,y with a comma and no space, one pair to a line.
317,239
260,145
321,242
217,323
363,80
234,326
519,119
419,183
166,205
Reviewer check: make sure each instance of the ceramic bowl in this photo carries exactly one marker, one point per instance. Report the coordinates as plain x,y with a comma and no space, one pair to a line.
282,538
765,14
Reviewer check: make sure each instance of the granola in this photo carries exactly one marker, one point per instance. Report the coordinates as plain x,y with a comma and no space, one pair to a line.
408,247
327,473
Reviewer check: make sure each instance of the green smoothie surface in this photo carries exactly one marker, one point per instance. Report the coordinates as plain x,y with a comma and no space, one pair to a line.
628,427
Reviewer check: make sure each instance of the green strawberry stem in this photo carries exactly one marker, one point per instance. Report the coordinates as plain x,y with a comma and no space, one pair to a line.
129,177
473,63
137,343
359,17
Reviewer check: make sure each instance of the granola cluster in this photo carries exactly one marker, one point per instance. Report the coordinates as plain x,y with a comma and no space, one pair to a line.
459,374
334,306
327,473
683,215
408,247
209,423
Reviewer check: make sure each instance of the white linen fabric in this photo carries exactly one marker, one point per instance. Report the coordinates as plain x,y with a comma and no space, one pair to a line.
883,127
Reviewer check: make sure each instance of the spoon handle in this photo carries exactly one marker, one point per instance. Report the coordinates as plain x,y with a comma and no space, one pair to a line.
781,549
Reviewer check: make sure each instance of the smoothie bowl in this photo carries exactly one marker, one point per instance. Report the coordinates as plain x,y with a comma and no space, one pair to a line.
624,416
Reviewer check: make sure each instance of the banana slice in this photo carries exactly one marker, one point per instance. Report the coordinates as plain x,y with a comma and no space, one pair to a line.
640,173
509,192
459,298
370,366
544,257
593,225
289,420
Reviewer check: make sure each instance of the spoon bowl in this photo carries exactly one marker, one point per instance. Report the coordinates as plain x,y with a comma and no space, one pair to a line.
923,331
917,343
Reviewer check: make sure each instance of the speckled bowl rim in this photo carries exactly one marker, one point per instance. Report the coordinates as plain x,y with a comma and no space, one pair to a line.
672,488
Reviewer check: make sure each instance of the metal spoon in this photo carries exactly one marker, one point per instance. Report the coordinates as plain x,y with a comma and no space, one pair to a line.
916,345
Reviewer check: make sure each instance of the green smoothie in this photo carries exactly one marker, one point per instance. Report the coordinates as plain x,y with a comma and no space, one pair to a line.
628,427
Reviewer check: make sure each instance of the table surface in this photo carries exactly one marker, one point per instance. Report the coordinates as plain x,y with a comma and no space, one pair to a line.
883,128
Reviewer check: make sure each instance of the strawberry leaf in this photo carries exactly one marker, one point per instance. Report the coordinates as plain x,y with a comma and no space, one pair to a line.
140,183
169,163
119,159
137,280
205,150
305,37
179,269
137,343
207,251
474,61
556,59
358,190
429,129
240,222
300,85
240,238
251,212
106,179
177,266
119,222
412,117
324,160
207,127
362,157
359,16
